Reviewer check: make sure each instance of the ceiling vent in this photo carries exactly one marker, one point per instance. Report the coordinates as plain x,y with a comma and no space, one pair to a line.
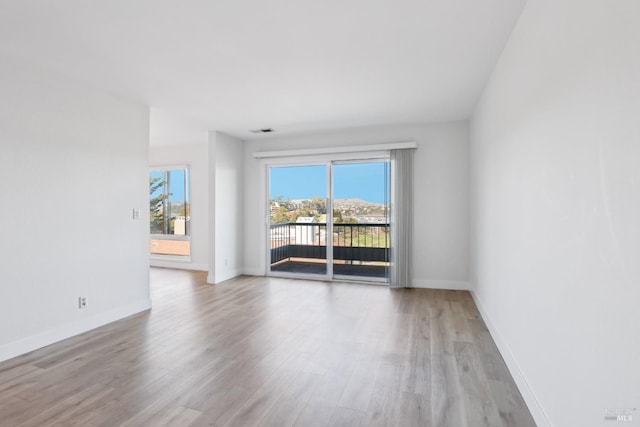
265,130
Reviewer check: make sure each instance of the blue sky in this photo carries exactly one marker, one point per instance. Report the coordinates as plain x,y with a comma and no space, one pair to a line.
177,184
351,181
364,181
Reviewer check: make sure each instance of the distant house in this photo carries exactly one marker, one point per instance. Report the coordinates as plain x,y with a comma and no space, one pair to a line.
306,234
305,220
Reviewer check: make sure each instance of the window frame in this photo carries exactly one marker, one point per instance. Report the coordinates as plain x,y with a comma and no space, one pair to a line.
162,236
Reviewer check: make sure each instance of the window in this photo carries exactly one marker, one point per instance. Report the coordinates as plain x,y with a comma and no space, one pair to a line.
169,212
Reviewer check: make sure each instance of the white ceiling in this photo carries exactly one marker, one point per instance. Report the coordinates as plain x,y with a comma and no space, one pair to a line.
294,65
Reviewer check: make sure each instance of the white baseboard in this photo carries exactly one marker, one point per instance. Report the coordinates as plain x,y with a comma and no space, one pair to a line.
230,274
441,284
34,342
245,271
528,395
199,267
181,265
426,284
253,271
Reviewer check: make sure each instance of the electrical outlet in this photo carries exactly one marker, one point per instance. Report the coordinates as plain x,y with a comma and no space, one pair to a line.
82,302
136,213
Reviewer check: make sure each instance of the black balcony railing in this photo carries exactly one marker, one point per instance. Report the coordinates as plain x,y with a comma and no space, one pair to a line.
351,242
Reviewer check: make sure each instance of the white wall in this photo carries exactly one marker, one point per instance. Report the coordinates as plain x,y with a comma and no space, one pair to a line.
227,207
73,165
441,201
196,156
556,208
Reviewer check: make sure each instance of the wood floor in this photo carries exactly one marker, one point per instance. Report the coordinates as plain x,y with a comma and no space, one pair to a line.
271,352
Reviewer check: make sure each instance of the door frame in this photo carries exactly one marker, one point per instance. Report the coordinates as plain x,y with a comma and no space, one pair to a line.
327,160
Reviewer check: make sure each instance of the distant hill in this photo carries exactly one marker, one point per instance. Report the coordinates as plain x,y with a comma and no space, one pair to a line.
354,202
343,202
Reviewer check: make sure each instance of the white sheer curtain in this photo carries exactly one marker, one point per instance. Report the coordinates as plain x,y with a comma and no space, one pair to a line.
400,273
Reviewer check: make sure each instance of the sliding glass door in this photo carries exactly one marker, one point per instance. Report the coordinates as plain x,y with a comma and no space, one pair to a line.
329,220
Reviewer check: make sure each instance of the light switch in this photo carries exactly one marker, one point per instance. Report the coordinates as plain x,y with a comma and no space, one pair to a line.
136,213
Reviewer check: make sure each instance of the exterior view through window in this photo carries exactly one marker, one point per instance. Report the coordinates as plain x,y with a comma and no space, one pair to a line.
330,220
169,212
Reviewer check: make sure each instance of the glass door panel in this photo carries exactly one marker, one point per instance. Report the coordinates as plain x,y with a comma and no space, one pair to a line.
297,232
360,202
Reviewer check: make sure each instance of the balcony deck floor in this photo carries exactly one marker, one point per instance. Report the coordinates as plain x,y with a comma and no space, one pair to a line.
354,270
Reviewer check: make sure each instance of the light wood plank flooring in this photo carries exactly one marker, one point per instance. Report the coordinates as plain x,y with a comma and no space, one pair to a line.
258,351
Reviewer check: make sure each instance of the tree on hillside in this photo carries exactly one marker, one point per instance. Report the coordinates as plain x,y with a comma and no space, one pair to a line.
279,215
319,205
185,210
337,216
